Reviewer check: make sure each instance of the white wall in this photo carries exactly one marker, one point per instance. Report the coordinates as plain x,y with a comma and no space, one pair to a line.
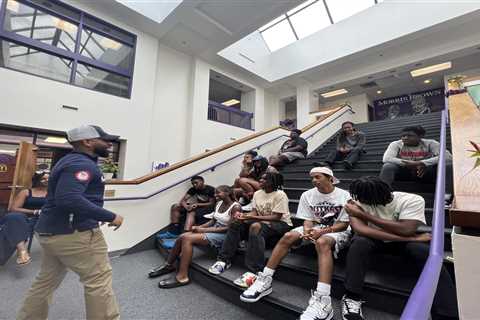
32,101
165,119
359,104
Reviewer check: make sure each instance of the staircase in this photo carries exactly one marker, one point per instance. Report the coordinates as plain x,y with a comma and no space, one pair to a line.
390,280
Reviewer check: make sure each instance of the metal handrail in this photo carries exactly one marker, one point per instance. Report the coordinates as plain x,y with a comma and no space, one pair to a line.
212,168
421,299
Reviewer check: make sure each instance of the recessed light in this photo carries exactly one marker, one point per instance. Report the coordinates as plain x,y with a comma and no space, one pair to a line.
231,102
334,93
379,91
431,69
427,81
56,140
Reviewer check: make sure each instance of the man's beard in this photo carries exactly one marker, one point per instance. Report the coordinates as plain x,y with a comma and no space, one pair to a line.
101,152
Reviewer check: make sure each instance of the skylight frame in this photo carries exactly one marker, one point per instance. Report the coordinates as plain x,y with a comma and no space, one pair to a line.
286,16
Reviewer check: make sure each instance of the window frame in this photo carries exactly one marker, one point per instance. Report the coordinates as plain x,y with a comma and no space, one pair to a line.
75,56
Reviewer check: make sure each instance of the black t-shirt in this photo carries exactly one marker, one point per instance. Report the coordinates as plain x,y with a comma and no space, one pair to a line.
297,142
204,195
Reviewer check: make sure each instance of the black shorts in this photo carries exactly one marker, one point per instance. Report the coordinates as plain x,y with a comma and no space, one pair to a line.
199,214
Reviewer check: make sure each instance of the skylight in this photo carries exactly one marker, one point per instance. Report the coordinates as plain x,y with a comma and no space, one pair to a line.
155,10
309,17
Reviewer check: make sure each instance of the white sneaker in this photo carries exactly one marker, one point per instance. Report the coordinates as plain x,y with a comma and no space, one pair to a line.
219,267
259,289
319,308
351,309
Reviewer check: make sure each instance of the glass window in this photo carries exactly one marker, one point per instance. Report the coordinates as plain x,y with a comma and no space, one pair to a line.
303,5
100,80
342,9
279,36
271,23
38,25
38,63
49,25
105,49
310,20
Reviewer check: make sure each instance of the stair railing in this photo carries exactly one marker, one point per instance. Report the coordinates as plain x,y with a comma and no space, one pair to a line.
213,167
421,299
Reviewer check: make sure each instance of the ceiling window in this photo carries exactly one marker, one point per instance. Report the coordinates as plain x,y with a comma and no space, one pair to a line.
309,17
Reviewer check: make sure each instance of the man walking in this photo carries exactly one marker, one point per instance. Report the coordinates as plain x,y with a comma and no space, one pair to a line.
68,229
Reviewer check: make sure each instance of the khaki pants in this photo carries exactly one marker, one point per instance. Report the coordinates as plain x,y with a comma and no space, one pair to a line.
85,253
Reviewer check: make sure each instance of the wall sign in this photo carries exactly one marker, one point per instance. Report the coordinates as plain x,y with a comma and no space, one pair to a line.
410,104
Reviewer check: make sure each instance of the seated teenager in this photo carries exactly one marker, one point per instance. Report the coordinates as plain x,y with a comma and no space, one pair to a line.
198,201
269,217
325,225
211,233
350,143
250,183
26,206
412,158
387,221
291,150
247,168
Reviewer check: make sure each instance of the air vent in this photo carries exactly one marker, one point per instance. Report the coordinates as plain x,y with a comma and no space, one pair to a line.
370,84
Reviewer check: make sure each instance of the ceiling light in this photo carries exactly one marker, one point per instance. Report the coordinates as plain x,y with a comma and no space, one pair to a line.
427,81
13,6
379,91
431,69
56,140
334,93
231,102
64,25
110,44
8,151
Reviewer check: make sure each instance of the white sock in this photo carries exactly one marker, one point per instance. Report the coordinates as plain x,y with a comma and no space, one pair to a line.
323,288
268,272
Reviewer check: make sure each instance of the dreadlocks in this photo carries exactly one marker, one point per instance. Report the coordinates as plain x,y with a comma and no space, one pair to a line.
275,180
371,191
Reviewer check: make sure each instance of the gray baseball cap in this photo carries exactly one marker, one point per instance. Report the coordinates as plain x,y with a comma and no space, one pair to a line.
89,132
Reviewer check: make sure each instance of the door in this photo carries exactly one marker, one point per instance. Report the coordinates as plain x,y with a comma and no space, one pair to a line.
25,166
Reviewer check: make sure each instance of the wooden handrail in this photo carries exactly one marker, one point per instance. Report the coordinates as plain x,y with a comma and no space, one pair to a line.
211,152
322,117
464,127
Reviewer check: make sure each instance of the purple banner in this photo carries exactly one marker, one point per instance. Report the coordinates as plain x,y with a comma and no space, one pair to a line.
410,104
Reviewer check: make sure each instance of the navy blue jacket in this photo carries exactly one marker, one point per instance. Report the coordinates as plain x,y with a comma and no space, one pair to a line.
75,197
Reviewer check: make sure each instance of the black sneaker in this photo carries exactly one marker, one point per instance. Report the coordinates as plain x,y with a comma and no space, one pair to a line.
161,270
351,309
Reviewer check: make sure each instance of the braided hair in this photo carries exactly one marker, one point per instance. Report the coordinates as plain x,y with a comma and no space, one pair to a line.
275,180
371,191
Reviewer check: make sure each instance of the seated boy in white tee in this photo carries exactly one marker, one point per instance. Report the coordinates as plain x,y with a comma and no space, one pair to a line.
387,221
325,225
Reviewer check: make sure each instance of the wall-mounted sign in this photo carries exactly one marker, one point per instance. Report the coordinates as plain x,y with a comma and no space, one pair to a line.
410,104
3,167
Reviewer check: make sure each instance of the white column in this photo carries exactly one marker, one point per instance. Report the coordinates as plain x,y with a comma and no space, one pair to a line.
303,105
199,103
259,116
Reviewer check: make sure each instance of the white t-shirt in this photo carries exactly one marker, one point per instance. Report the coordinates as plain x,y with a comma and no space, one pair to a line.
276,201
323,208
404,206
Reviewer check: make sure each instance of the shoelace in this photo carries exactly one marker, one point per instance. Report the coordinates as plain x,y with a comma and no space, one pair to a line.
315,306
352,305
260,284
